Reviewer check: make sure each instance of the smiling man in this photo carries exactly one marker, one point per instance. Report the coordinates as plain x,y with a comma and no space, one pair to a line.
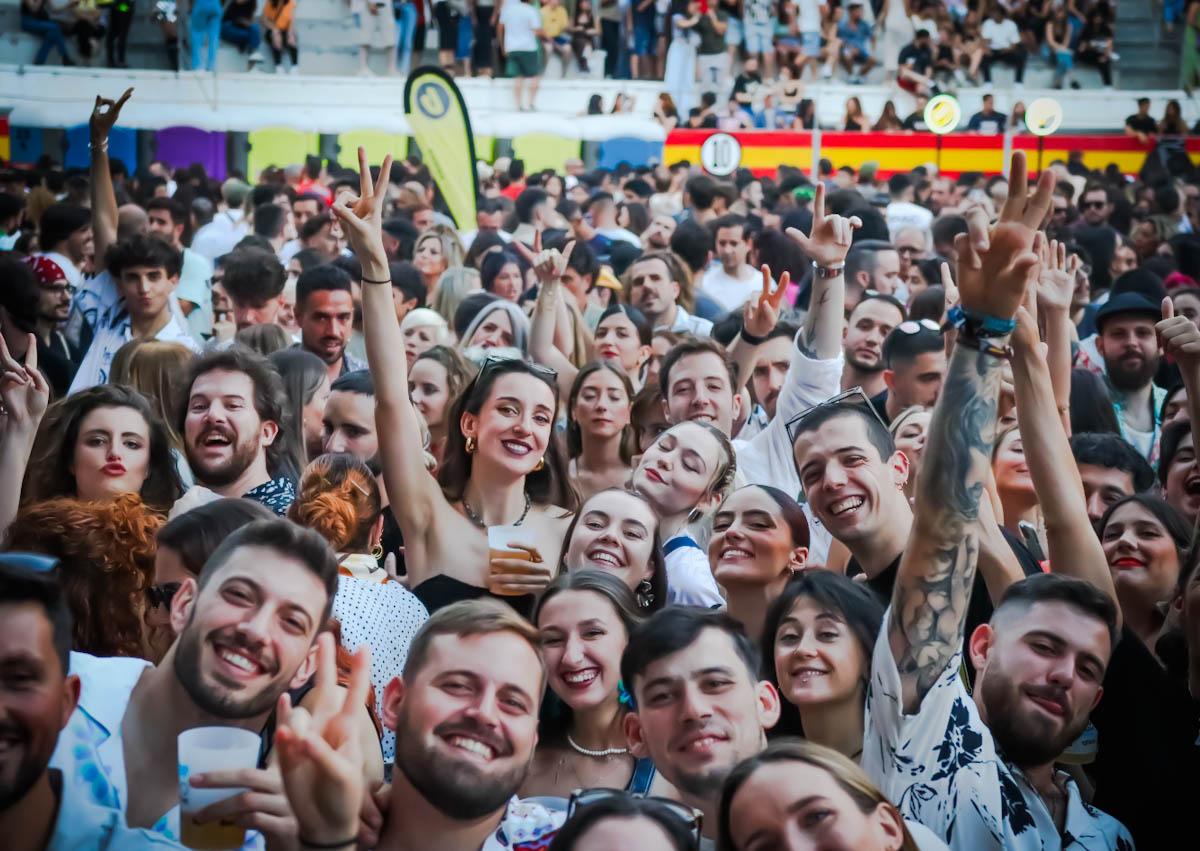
325,313
465,712
231,428
699,704
247,631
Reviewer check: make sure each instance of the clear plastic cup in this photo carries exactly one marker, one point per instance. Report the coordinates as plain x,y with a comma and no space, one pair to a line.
205,749
502,542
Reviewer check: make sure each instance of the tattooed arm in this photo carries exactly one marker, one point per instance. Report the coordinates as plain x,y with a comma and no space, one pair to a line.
937,570
821,336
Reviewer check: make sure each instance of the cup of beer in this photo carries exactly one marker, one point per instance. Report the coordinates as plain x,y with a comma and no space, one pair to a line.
503,542
206,749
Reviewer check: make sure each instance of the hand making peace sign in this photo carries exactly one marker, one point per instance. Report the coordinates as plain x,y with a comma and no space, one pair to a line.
761,315
362,218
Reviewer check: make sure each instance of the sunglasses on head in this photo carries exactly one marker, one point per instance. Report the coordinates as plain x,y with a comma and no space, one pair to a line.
491,363
855,397
690,817
915,326
162,594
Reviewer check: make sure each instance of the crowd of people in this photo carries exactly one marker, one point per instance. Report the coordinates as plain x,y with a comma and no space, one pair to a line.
920,45
648,510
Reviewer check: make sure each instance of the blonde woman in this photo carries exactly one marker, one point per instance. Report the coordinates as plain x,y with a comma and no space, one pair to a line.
435,251
452,287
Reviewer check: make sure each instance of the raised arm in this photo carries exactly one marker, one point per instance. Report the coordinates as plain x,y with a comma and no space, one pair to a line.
759,318
827,246
104,200
1074,549
1181,340
414,492
548,266
937,569
1056,286
25,394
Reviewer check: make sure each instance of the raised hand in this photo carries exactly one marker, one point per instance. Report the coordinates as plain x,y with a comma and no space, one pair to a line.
319,755
105,114
23,390
831,235
995,265
761,315
1180,338
362,218
1056,284
548,265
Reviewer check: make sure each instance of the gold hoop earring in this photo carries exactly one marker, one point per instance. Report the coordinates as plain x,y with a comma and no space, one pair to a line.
470,445
541,465
377,552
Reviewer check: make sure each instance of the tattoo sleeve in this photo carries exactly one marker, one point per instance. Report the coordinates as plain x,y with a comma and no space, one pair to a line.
937,571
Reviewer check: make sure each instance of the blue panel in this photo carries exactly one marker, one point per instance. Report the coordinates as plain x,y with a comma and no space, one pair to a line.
25,144
627,149
122,145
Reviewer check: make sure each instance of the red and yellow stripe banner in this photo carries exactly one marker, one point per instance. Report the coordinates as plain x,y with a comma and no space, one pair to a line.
763,151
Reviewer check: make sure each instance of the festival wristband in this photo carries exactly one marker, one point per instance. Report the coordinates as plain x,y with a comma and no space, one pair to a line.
828,271
979,324
984,346
750,339
369,281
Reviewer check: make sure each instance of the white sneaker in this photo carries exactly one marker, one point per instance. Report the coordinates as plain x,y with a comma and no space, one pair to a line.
294,69
254,58
960,77
826,72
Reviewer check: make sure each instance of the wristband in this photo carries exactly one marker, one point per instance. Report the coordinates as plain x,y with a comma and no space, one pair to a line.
984,346
328,846
369,281
751,339
979,324
102,147
828,271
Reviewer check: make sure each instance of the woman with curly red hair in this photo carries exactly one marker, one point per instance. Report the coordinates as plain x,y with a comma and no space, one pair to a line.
106,567
339,498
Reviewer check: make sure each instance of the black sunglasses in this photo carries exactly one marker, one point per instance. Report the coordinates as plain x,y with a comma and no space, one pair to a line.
1093,205
162,594
854,397
690,817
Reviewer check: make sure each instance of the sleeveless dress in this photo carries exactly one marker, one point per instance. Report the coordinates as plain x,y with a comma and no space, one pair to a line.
440,591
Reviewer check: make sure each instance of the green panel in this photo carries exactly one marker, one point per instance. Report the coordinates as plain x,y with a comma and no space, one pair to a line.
541,150
377,145
278,146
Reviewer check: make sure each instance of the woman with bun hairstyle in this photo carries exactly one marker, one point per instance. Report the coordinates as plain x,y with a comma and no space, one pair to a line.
339,498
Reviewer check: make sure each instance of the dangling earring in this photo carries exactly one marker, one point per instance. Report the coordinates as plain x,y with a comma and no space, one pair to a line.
540,465
645,594
470,445
377,552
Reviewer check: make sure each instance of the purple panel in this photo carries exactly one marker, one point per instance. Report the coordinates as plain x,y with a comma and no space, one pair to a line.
179,147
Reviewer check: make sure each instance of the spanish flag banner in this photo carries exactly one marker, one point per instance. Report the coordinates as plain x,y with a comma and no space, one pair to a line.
437,116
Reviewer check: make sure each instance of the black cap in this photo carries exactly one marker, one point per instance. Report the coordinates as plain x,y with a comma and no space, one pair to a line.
1127,303
1140,281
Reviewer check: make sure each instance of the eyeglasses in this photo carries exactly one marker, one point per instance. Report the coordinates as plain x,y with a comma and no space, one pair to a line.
59,289
854,397
915,326
491,363
1093,205
692,818
162,594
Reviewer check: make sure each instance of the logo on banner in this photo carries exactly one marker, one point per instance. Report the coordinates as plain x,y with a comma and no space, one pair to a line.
432,100
721,154
1044,116
942,114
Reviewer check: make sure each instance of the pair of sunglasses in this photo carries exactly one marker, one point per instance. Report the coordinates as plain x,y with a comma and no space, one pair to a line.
854,397
693,819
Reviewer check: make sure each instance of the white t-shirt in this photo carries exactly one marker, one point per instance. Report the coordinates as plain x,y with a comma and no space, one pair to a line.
195,285
1000,35
808,15
690,581
730,292
521,23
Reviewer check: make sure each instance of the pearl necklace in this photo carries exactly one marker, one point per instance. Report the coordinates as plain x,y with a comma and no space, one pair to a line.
599,753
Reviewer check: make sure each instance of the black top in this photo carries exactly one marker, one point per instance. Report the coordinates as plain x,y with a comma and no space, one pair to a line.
58,369
241,11
983,122
440,591
1141,123
920,58
1148,758
979,610
879,402
916,121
